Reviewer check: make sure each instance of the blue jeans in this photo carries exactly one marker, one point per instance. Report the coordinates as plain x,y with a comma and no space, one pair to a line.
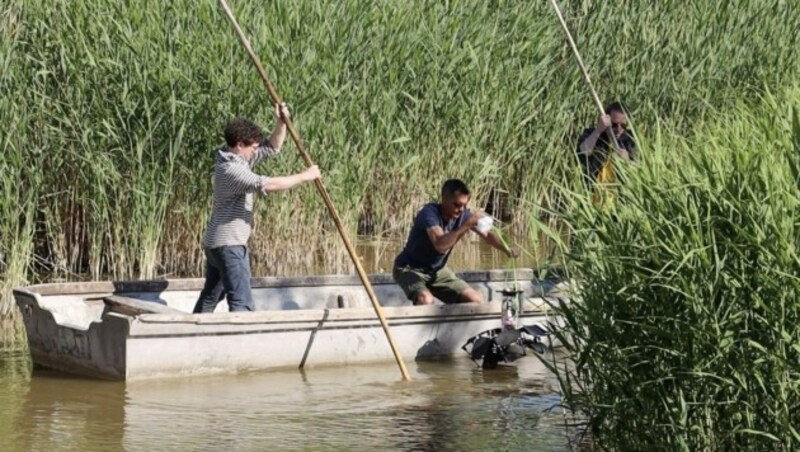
227,275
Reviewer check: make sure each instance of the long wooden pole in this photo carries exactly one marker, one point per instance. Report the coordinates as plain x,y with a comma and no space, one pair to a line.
321,189
584,72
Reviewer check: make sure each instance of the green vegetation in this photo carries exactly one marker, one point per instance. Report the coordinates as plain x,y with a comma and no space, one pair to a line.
685,331
110,111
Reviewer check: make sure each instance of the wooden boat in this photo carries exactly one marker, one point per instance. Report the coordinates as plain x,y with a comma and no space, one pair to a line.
129,330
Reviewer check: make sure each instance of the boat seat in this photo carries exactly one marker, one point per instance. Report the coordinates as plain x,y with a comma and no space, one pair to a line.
134,307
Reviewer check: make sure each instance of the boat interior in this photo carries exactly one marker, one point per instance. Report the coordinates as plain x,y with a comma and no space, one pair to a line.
79,304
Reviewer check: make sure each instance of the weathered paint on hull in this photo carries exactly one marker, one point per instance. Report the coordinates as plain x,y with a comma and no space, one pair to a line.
98,351
346,337
72,331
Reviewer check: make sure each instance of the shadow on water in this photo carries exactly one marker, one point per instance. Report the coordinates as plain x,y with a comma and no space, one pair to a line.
448,405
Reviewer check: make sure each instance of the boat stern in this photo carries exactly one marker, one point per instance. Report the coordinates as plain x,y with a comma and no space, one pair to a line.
95,350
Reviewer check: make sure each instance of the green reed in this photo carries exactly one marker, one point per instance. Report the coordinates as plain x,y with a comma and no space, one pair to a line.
685,322
115,107
19,182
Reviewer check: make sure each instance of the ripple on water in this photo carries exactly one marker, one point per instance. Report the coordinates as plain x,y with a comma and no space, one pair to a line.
447,406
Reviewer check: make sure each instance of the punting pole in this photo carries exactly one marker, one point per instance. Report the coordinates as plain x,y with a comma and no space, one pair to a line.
321,189
585,74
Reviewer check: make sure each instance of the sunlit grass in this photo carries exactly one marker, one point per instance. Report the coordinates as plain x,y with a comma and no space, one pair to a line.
110,113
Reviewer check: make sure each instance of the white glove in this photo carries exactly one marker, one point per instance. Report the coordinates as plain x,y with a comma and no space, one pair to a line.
484,224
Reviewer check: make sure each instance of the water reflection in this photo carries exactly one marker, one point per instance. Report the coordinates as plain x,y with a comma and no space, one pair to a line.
377,256
450,405
62,412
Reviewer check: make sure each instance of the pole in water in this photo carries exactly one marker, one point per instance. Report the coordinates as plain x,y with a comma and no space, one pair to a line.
321,189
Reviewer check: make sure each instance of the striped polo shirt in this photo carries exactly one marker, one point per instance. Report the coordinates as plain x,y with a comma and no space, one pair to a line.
235,183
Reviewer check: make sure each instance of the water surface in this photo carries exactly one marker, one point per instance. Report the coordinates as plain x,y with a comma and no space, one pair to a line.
450,405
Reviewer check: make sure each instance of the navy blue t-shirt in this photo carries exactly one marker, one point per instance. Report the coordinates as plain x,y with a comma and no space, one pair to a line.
419,252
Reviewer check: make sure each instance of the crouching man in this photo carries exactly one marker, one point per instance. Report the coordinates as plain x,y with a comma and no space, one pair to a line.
421,268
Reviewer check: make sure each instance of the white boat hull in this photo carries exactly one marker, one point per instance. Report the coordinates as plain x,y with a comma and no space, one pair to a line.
71,329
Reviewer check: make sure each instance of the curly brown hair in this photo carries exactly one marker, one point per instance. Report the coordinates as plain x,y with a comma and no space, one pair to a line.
241,130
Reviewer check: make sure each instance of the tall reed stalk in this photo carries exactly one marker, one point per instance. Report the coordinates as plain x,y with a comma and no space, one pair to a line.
20,180
685,322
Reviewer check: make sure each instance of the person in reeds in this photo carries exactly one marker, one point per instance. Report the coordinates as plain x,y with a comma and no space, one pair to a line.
235,184
594,144
421,268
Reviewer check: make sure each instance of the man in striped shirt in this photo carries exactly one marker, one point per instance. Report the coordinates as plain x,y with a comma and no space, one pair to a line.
235,183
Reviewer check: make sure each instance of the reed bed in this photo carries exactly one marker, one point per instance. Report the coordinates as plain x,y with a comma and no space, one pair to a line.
111,111
685,327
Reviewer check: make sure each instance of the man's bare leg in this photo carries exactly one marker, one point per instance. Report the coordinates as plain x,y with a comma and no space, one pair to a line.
424,297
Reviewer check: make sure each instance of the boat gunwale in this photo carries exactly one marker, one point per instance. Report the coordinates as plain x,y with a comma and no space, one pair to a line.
179,284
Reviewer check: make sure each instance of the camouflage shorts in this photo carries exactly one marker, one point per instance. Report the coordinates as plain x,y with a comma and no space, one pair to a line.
444,285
